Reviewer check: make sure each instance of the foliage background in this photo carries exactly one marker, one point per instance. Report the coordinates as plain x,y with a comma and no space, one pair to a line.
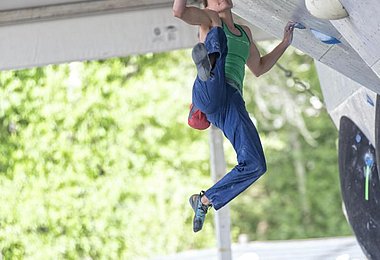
97,161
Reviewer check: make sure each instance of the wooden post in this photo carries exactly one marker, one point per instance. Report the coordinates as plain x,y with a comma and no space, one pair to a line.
222,216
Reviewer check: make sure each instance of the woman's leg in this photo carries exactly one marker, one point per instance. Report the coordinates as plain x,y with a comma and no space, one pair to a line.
239,129
209,95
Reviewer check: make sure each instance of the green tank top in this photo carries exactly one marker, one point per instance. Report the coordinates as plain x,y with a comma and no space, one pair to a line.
238,52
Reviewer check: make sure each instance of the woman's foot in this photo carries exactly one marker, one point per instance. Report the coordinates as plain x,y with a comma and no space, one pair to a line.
202,61
200,205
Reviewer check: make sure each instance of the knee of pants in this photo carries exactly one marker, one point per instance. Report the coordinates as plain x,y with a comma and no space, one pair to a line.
260,168
255,167
263,168
252,157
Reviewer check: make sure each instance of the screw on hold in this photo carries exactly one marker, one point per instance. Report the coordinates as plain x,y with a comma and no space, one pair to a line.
368,159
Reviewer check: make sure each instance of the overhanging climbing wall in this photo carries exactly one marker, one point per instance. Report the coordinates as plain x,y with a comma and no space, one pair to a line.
360,186
355,110
271,17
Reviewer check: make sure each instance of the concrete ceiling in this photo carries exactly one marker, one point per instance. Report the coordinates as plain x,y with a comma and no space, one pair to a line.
41,32
26,11
21,4
362,30
87,30
271,16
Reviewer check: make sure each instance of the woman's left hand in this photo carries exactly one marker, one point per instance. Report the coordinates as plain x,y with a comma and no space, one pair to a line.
288,33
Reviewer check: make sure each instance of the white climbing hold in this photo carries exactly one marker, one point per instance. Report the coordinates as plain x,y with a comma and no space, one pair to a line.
326,9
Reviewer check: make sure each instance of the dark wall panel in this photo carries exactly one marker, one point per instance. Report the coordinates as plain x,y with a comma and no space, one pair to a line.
360,186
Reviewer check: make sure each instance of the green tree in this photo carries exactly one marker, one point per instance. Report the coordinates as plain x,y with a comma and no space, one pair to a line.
97,160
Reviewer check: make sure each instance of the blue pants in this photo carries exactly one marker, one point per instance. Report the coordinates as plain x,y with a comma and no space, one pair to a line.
225,108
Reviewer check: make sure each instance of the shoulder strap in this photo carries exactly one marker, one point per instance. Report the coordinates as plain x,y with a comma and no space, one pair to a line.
242,31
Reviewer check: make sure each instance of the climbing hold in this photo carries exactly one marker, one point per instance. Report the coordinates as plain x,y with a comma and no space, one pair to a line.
370,101
299,26
366,189
324,37
326,9
368,159
358,138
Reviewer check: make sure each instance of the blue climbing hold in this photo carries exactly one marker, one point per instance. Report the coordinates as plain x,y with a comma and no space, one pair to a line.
358,138
299,26
368,158
324,37
370,101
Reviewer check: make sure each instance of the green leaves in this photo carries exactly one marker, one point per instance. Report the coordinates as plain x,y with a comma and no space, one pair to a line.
99,160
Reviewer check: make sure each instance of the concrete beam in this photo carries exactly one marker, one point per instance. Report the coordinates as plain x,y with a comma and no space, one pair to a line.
77,9
22,4
345,97
361,30
271,17
93,37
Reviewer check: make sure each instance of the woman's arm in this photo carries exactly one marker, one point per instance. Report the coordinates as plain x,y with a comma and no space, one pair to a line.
190,14
260,65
